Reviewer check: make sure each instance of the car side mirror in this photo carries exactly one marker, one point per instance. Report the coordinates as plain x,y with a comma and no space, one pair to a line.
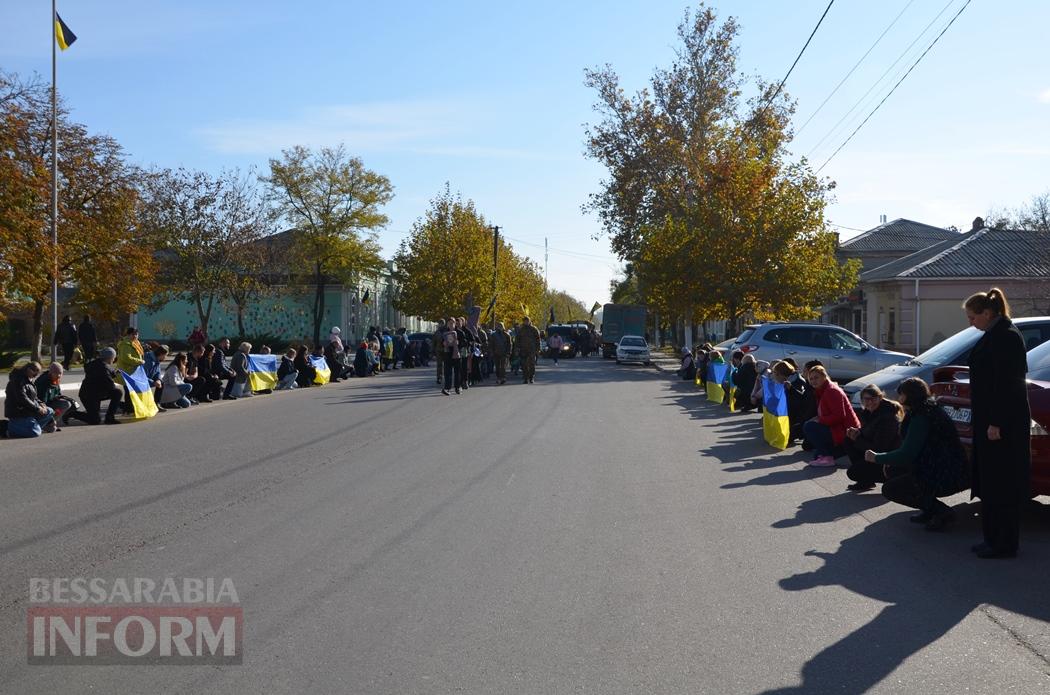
865,347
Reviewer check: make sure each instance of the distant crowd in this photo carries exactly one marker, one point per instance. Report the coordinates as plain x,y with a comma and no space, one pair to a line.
34,403
909,445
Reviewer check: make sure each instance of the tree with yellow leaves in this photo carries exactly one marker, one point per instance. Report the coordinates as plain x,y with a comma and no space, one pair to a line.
99,254
448,257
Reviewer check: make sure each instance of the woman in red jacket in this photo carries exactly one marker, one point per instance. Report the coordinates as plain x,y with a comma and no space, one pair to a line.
827,431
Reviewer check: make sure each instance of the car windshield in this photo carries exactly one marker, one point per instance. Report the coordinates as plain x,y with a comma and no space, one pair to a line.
630,341
1039,362
746,335
948,351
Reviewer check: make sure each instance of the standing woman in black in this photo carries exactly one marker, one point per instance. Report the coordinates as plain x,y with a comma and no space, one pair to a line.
1002,456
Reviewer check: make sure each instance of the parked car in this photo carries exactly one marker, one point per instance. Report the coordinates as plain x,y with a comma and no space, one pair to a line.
633,348
952,388
953,350
845,355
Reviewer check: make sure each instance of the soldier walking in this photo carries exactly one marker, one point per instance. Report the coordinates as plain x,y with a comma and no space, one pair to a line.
529,348
500,344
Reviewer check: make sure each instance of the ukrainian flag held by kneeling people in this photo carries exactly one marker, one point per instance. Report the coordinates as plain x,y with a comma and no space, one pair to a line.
716,374
262,372
320,365
140,392
776,427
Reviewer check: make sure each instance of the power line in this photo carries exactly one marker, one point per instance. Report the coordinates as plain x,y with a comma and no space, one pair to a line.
928,48
855,66
799,56
860,101
842,226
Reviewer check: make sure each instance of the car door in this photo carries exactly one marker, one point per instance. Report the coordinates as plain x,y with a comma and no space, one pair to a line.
849,358
805,344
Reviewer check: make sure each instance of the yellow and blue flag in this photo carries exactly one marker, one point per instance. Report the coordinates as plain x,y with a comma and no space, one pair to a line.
716,374
730,387
320,365
63,34
140,392
262,372
776,427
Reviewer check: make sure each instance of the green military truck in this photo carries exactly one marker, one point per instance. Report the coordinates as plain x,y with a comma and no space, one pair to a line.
619,320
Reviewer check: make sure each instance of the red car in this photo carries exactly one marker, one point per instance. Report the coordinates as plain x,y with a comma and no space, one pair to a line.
951,387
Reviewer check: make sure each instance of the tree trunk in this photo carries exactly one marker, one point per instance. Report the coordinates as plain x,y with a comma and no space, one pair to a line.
38,329
240,320
318,305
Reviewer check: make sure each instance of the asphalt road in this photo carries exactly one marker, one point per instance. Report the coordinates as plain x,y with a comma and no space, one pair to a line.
602,531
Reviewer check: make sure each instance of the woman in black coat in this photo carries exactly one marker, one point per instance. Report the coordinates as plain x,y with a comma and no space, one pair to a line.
1001,419
879,431
744,379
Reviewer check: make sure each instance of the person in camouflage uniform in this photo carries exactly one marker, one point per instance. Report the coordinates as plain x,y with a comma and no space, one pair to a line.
528,341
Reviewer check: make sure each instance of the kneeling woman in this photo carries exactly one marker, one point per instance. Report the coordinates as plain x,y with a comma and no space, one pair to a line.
929,464
880,430
827,429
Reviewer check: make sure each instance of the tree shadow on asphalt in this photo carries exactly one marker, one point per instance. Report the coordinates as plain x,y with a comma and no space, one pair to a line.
930,580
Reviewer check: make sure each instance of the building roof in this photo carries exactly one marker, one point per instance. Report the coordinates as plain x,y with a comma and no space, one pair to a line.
900,235
980,253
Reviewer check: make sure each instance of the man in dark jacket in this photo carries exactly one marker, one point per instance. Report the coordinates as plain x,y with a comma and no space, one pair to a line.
500,344
49,391
220,367
88,338
27,415
98,386
66,336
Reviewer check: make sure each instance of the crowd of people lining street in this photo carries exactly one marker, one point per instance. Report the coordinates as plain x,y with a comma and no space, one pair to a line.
464,351
909,444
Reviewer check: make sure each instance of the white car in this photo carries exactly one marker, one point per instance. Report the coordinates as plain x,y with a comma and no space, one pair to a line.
633,348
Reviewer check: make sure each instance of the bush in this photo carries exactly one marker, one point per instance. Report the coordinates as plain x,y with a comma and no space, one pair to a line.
276,345
8,358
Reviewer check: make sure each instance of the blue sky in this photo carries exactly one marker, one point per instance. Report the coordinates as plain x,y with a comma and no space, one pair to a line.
490,98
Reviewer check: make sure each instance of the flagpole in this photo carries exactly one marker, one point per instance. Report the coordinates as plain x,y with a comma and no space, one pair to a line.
54,184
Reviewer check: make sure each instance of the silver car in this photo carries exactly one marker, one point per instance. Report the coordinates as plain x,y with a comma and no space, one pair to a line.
845,355
954,350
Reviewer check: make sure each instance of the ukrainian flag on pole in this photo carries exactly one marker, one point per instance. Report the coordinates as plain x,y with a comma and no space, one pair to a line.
776,428
63,34
262,372
716,374
320,365
140,391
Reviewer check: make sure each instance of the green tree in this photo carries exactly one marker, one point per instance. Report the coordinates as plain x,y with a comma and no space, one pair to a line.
566,307
333,204
207,230
702,197
448,256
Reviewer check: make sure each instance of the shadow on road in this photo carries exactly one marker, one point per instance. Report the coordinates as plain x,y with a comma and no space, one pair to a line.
931,582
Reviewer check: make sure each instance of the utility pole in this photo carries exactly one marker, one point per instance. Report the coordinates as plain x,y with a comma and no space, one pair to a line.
546,260
495,270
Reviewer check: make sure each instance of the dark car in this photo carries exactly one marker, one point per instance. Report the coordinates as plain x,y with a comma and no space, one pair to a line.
952,388
568,335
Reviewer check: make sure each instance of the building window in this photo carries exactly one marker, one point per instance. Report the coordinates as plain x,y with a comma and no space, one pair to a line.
891,333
